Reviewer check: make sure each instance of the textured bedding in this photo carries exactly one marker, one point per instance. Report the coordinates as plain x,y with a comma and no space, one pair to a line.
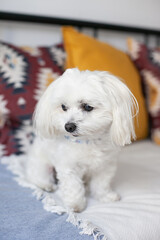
135,217
22,217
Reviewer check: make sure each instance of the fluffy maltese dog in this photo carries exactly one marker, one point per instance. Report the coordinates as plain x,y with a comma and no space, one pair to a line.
82,120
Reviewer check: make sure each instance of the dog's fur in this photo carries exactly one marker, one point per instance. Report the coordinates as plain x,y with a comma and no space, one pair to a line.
101,107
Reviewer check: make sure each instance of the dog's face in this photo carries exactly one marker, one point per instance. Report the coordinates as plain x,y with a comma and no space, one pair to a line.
80,107
83,104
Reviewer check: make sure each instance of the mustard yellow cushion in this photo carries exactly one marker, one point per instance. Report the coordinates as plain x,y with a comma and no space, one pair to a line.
86,52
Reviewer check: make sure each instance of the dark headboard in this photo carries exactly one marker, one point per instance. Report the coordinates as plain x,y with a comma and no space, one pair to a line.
95,26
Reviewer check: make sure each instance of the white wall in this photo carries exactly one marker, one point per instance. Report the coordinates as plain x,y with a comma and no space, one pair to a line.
131,12
142,13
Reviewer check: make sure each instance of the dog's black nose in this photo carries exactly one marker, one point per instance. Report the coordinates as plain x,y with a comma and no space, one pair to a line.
70,127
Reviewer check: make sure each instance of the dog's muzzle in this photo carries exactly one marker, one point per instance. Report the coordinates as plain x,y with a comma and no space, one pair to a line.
70,127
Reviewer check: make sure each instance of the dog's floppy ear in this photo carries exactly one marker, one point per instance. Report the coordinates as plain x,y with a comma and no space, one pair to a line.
124,108
43,117
45,112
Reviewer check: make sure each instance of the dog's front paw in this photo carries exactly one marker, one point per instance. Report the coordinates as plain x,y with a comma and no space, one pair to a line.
77,206
110,197
49,187
45,184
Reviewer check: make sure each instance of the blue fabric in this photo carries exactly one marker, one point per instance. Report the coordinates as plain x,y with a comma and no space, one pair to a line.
22,217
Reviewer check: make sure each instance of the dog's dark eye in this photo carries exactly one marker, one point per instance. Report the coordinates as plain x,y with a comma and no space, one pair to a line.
64,107
87,107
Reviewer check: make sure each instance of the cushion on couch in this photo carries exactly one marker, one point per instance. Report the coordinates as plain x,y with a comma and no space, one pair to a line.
24,75
86,52
148,63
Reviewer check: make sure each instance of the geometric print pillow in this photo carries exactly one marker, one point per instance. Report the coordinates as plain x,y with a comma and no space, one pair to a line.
25,72
148,62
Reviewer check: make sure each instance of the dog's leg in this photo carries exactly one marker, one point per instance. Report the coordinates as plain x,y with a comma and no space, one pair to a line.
100,184
40,172
72,190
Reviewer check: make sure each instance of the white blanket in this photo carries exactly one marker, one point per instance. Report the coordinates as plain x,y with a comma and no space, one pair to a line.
136,216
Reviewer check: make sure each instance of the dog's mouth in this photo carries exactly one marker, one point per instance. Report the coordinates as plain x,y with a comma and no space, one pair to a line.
75,135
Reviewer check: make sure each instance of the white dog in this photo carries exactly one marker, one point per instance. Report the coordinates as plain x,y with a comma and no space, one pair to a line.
81,120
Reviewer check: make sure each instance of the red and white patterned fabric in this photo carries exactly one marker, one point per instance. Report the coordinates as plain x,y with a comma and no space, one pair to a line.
148,62
24,74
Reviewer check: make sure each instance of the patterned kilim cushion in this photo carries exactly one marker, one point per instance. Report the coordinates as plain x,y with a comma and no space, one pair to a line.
148,62
24,74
